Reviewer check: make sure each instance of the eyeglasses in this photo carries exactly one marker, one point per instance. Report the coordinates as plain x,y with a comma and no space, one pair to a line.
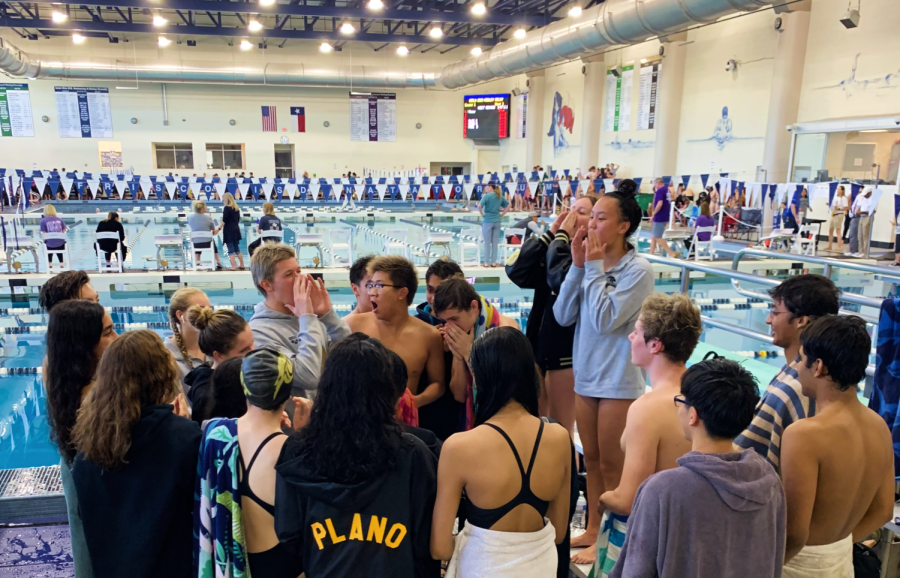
774,313
377,286
679,399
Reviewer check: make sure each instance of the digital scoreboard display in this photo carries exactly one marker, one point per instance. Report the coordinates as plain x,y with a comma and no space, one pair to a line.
486,116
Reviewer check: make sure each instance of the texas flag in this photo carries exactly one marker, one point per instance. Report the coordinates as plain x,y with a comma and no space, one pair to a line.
298,119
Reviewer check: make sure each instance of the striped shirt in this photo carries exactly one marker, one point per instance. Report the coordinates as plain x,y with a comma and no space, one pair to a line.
781,405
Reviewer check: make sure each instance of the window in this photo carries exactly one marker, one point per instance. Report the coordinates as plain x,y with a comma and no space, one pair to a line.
284,161
177,155
225,156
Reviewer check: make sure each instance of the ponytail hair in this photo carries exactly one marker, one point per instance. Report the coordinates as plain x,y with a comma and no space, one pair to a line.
180,302
629,210
218,330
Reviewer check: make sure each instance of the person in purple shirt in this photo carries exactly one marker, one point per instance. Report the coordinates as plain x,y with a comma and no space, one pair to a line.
704,220
659,212
50,223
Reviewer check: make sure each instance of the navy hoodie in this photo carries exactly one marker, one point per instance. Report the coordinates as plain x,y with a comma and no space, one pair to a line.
376,529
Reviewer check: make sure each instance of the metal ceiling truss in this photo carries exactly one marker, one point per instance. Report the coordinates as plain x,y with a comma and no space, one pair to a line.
283,21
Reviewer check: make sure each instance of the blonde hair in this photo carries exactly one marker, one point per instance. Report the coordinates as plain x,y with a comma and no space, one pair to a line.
269,209
180,301
264,260
675,321
136,371
217,329
199,206
49,211
228,201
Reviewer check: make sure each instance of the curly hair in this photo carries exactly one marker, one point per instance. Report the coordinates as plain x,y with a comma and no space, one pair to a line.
74,329
352,436
135,372
675,321
62,287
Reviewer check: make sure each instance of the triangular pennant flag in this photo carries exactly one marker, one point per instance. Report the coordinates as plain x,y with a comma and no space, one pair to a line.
53,182
40,183
121,186
667,180
832,191
584,186
244,188
685,179
533,186
267,190
637,181
360,189
515,177
704,179
541,175
93,185
313,194
447,188
608,184
563,187
598,185
220,188
404,190
469,187
171,188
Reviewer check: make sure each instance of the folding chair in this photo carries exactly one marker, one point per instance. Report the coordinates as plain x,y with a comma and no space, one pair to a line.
697,245
441,239
113,266
204,259
63,253
464,244
400,235
505,247
310,240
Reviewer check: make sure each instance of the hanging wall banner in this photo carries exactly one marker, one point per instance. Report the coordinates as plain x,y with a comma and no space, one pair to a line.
15,110
83,112
373,117
521,114
612,91
624,98
648,95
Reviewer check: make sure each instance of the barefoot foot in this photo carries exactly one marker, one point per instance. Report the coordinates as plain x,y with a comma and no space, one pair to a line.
585,556
587,539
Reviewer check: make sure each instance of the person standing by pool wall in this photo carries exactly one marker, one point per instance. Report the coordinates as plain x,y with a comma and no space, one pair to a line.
231,229
660,218
493,208
602,296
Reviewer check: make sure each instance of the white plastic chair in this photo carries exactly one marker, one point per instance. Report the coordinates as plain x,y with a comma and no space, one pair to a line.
340,240
697,245
113,266
277,236
505,247
66,264
401,247
309,240
207,256
441,239
465,244
808,239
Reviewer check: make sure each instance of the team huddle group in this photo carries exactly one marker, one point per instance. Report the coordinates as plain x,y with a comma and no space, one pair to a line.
386,443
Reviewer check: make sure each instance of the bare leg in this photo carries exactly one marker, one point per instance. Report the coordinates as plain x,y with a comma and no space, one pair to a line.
560,388
665,246
652,246
830,237
586,416
231,258
241,259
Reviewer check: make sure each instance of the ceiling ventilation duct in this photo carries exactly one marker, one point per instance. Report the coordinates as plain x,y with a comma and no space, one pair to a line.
614,22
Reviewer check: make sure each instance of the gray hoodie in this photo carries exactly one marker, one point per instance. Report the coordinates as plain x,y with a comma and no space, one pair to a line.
715,516
603,306
303,339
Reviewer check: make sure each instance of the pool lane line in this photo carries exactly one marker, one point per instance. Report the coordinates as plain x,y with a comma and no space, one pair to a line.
371,231
439,230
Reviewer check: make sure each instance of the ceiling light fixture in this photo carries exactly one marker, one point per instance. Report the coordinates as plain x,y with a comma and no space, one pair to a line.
375,5
347,28
59,17
475,51
875,130
159,21
479,9
435,32
77,38
266,2
254,26
325,47
246,45
520,33
163,42
575,11
402,50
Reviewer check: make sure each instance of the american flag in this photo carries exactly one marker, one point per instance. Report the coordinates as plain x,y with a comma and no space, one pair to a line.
269,122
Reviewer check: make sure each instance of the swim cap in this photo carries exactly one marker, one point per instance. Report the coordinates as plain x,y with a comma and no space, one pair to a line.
267,377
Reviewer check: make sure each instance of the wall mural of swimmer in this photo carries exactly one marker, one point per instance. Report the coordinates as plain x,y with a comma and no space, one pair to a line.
630,144
561,119
723,133
851,84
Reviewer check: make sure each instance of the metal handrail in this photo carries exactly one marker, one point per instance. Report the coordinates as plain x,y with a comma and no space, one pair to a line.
827,262
744,332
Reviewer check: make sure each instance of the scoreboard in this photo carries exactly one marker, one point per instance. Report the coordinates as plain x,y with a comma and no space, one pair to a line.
486,116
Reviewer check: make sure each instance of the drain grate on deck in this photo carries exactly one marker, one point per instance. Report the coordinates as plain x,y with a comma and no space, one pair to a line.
28,482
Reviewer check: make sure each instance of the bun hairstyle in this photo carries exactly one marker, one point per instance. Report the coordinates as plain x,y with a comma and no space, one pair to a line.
217,330
629,210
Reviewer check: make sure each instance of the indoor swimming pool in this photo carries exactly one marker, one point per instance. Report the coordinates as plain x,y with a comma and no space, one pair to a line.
24,440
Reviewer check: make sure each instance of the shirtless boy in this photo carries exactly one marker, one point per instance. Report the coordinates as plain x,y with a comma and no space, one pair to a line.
837,466
391,290
359,277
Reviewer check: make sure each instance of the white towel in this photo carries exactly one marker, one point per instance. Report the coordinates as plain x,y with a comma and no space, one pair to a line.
828,561
481,553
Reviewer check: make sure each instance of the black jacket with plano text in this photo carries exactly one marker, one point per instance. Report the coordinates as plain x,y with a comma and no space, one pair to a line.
377,529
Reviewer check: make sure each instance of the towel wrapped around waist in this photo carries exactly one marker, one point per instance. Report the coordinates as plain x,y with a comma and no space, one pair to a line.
481,553
827,561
